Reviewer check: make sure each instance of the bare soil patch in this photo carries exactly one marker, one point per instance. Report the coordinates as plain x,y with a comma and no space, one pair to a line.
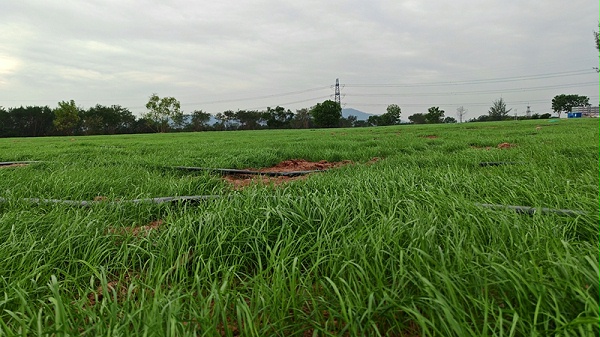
430,136
374,160
118,287
506,145
139,230
240,181
500,146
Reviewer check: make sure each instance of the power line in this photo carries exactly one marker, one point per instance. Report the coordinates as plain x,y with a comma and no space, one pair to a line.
287,103
480,81
418,105
262,97
451,93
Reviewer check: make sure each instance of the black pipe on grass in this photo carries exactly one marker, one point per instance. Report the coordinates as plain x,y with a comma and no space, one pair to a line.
8,163
496,163
86,203
198,198
246,172
533,210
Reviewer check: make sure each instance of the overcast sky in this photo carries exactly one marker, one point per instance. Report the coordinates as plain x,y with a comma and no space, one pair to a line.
227,55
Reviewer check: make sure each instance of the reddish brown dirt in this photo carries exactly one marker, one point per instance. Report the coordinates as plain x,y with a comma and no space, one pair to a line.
506,145
13,165
374,160
430,136
137,231
119,287
303,165
240,181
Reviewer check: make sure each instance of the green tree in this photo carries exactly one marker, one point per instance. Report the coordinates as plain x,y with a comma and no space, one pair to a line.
566,103
359,123
327,114
374,120
302,119
200,120
107,120
227,120
163,110
348,122
278,118
498,110
249,119
434,115
30,121
391,116
449,120
66,117
417,118
4,121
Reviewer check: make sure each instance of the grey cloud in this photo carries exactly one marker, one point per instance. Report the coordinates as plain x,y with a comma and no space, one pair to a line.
118,52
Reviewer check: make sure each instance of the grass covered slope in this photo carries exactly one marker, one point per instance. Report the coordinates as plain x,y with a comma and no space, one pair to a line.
396,247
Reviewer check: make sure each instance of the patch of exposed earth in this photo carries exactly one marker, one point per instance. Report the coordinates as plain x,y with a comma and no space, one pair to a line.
240,181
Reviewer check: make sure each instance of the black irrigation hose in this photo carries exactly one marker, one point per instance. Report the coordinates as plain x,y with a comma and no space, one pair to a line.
497,163
8,163
533,210
246,172
198,198
84,203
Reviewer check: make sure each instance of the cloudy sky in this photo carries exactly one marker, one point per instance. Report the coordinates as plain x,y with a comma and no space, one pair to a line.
230,55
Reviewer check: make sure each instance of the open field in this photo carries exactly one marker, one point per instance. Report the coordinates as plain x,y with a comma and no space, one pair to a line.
394,246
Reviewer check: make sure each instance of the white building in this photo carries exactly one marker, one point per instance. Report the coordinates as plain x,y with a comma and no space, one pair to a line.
586,111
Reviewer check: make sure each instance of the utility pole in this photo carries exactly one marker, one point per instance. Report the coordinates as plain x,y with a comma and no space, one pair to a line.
460,112
338,96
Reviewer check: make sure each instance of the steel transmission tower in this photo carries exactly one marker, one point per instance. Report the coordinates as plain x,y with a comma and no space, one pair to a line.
338,96
528,111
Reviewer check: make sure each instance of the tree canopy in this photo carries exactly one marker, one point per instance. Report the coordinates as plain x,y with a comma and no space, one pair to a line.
30,121
278,118
106,120
561,103
498,110
434,115
163,110
327,114
199,120
390,117
418,118
66,117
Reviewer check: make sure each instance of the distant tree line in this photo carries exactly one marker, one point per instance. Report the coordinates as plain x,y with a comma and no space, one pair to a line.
68,119
165,115
434,115
560,103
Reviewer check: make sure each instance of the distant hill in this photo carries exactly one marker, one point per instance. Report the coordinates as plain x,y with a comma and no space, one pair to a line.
361,116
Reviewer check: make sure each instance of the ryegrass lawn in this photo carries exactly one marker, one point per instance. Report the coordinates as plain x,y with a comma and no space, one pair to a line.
395,247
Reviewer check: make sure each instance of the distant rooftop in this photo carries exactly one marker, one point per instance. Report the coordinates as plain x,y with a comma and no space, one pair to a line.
586,111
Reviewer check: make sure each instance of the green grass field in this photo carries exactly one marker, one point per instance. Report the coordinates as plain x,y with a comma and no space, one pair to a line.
397,247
